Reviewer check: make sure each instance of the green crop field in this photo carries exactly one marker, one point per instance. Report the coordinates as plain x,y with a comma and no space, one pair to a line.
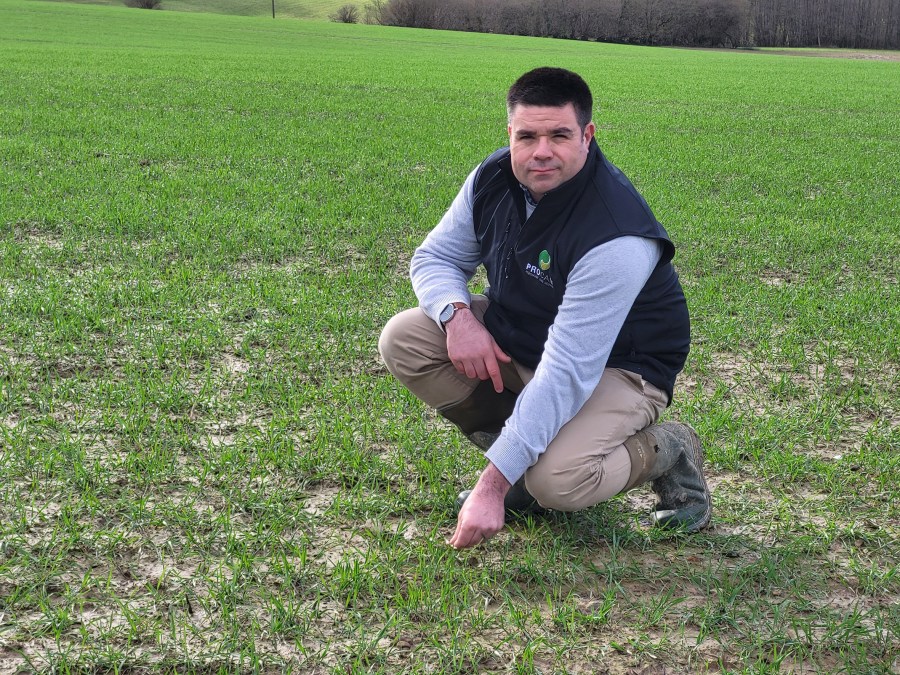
204,222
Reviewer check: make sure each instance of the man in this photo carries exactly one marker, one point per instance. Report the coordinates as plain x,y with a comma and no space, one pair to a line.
561,370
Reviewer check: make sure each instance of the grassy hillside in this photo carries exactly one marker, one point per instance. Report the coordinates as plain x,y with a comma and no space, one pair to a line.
204,223
292,9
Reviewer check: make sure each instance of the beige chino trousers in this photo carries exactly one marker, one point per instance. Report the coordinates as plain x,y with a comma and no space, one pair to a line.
586,463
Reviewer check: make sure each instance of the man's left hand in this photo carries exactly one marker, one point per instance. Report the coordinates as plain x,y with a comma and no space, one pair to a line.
482,515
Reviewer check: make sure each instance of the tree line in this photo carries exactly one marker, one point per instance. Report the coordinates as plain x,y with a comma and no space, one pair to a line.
858,24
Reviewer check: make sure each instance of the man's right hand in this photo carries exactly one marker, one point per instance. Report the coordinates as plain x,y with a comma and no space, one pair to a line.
472,349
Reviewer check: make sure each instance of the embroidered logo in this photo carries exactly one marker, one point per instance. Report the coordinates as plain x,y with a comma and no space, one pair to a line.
544,260
539,271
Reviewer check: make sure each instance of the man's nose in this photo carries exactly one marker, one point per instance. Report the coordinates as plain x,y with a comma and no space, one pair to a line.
543,149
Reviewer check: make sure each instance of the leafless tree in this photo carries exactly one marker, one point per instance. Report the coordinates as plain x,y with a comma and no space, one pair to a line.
144,4
827,23
345,14
712,23
410,13
374,10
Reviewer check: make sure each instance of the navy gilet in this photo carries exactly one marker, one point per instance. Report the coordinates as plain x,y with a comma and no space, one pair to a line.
528,264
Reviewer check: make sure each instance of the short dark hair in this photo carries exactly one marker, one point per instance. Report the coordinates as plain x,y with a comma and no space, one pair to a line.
552,87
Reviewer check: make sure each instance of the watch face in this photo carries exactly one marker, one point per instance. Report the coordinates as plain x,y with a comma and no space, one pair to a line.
446,314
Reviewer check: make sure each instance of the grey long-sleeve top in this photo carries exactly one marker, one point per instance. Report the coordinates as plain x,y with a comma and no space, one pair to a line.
600,291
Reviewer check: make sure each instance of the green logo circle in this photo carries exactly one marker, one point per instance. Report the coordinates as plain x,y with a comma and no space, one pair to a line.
544,260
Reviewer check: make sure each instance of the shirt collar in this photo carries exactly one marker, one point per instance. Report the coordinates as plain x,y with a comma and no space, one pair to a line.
528,198
530,204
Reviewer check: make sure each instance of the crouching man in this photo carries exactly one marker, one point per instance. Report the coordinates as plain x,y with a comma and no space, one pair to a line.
561,369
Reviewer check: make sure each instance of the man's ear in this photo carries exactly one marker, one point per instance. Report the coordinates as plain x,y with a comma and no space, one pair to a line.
589,131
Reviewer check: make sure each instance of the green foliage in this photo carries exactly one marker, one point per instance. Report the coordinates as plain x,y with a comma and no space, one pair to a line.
205,221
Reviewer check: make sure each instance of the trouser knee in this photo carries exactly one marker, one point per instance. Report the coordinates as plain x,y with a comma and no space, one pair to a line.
402,356
564,486
414,350
388,345
552,492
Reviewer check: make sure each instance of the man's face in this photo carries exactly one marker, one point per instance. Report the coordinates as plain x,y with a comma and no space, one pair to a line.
547,146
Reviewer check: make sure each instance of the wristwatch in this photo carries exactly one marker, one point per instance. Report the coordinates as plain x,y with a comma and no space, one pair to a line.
448,311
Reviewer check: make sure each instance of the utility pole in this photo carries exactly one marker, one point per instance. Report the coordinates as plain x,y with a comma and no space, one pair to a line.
273,9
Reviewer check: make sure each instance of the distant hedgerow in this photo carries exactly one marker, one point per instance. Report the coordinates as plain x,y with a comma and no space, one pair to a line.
144,4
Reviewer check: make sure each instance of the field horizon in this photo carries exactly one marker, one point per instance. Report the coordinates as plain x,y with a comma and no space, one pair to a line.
205,221
324,9
317,10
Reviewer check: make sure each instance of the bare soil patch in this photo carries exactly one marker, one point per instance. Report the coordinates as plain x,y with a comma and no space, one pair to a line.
836,54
